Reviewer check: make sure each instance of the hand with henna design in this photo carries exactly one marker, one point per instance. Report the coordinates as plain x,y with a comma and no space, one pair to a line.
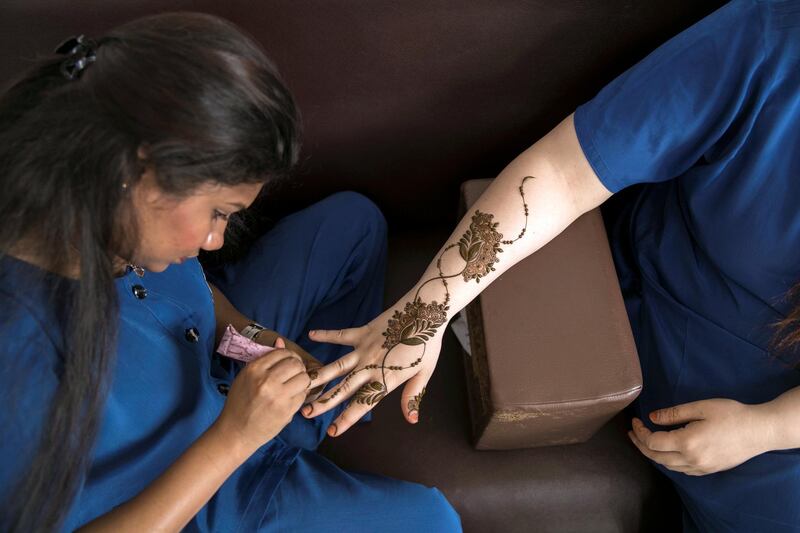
502,227
403,357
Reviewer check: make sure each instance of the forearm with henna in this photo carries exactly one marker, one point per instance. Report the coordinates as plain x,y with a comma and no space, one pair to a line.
533,199
477,252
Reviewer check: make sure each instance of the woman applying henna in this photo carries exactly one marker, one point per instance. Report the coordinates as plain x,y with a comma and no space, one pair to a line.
122,157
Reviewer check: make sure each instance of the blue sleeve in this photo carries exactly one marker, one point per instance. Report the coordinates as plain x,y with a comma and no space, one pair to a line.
659,118
28,380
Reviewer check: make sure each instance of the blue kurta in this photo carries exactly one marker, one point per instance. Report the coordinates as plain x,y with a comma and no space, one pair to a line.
319,268
708,249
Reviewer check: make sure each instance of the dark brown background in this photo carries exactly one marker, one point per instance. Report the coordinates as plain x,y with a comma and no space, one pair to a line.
403,100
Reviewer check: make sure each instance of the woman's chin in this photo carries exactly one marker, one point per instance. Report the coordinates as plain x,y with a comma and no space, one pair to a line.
157,266
161,265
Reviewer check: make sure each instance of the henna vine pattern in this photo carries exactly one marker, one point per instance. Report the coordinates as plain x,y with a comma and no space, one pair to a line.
478,247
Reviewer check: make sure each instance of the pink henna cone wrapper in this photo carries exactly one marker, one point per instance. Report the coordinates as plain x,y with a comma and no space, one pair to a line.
237,346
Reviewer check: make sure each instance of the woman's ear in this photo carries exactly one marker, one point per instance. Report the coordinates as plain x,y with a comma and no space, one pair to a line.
146,182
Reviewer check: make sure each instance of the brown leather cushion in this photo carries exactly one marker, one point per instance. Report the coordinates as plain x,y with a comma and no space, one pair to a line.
553,357
601,485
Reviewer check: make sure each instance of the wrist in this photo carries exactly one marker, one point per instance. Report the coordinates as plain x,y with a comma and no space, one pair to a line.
228,442
252,330
266,337
766,427
414,320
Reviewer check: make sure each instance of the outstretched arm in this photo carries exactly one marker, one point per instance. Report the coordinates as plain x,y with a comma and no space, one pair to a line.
534,199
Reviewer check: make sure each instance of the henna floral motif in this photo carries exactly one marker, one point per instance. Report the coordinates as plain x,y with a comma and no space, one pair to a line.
414,403
479,246
416,324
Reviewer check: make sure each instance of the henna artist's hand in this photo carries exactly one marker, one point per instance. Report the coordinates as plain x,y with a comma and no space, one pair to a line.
719,434
264,397
312,364
383,358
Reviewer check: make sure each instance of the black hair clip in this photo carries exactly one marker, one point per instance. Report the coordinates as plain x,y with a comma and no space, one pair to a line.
81,52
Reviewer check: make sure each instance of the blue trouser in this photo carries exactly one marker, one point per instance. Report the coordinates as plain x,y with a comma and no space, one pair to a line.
323,268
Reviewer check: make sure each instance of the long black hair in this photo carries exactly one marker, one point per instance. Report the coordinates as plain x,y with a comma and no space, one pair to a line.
205,104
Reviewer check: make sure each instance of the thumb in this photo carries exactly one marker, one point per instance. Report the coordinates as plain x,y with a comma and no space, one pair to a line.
279,343
679,414
411,399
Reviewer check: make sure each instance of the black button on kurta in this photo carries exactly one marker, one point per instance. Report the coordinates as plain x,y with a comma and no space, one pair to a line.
223,388
192,335
140,292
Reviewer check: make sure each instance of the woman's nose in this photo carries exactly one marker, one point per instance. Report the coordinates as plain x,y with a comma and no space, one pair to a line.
214,241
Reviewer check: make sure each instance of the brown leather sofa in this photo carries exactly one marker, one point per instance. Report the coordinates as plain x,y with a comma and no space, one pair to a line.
403,101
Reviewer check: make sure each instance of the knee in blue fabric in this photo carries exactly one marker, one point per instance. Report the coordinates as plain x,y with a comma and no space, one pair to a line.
348,207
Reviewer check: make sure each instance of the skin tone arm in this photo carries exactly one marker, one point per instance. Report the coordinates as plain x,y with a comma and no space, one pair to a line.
535,198
262,400
538,195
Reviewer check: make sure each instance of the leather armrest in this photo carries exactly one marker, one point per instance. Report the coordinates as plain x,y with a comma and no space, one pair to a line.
553,356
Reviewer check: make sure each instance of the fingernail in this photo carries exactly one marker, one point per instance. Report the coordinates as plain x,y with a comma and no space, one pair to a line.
312,332
307,409
332,430
413,417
